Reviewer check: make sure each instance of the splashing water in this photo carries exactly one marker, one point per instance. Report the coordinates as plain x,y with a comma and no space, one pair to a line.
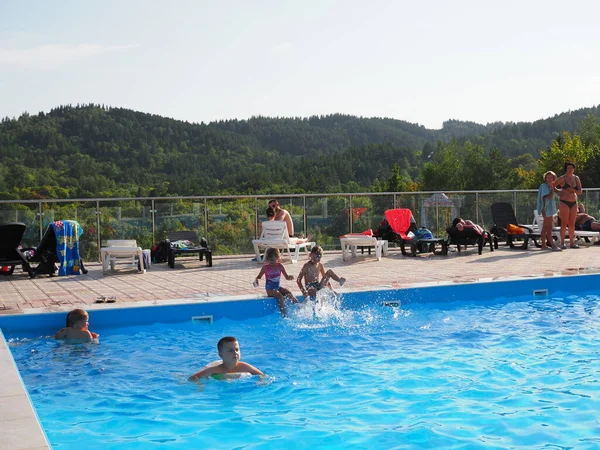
326,311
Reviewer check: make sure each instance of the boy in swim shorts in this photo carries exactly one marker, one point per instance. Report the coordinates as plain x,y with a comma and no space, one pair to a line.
310,274
229,351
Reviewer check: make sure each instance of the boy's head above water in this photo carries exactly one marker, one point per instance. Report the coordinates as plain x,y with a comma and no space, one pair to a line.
229,350
78,318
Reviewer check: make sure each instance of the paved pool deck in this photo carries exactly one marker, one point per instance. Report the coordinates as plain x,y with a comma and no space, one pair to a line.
231,277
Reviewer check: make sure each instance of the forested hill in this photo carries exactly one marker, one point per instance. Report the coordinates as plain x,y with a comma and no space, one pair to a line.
94,151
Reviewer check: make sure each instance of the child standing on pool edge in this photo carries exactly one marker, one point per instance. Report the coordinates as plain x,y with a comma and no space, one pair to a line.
311,272
546,207
273,270
229,351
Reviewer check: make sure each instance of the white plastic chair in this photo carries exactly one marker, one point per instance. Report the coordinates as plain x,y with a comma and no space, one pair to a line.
275,235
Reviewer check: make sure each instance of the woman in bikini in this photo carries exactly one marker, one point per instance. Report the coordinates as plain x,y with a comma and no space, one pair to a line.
570,189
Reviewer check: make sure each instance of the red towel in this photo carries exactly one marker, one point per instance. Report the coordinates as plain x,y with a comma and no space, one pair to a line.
368,232
399,220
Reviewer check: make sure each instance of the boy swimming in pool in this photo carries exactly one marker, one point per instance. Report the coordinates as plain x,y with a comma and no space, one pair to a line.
77,327
229,351
311,272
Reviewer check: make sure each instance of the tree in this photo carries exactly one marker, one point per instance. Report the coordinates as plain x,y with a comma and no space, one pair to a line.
565,148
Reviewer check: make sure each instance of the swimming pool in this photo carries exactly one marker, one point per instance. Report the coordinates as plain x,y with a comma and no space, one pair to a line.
447,367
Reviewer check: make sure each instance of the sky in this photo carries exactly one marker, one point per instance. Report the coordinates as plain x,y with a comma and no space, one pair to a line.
422,62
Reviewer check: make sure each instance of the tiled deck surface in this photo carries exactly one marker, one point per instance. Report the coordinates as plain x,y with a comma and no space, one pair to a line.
232,277
191,280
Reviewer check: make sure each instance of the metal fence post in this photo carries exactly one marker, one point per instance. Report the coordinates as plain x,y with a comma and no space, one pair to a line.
350,212
41,220
153,211
98,234
304,217
206,220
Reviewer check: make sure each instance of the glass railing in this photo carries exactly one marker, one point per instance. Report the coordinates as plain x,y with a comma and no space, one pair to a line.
231,222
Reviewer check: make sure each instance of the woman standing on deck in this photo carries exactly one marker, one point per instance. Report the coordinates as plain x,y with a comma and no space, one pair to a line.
570,189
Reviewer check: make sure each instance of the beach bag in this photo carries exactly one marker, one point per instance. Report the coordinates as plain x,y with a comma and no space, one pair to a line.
160,252
423,233
514,229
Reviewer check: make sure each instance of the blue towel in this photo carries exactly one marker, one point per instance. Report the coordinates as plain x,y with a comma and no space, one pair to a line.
67,246
550,203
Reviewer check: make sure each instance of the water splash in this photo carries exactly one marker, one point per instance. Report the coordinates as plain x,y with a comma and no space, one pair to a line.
326,310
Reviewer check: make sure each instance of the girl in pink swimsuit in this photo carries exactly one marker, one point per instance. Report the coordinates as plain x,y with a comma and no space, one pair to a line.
273,270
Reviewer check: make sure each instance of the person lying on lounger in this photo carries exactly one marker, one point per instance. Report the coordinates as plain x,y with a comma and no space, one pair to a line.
462,224
583,221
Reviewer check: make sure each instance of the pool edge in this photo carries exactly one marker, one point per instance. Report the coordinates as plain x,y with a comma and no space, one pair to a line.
20,427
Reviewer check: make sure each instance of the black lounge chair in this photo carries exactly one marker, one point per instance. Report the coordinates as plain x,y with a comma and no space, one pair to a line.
46,256
196,247
11,255
503,215
395,228
468,236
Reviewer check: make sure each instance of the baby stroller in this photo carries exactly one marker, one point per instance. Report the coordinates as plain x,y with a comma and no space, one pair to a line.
59,245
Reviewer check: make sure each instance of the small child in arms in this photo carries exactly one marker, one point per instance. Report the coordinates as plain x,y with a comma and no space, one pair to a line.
77,327
311,272
273,270
229,351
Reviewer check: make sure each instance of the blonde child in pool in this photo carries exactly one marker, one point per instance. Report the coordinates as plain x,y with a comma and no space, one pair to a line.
229,351
77,327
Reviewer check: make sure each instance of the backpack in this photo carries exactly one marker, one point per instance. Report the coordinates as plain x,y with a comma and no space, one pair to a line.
423,233
160,252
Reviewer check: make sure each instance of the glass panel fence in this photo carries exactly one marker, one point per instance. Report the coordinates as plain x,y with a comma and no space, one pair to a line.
24,213
230,223
126,219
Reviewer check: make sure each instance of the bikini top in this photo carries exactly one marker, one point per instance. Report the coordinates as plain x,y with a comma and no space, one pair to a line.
567,185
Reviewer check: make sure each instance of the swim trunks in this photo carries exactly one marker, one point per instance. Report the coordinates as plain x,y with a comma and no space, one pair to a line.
587,226
314,284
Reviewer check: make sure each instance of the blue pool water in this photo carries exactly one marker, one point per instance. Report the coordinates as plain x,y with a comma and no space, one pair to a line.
496,374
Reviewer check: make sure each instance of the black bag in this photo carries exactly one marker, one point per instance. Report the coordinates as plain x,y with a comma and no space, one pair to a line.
160,252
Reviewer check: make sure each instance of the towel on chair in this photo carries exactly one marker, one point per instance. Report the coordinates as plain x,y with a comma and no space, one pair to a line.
67,234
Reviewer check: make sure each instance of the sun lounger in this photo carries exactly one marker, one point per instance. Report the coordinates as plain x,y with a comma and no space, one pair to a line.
125,250
275,235
588,236
351,242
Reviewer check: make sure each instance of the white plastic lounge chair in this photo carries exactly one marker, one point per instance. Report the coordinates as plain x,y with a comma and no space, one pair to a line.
588,236
350,242
274,234
122,249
